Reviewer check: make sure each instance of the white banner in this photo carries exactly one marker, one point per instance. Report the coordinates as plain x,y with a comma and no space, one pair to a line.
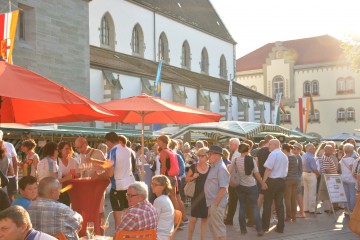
277,106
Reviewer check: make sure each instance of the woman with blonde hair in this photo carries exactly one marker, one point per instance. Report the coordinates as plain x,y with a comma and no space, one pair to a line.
198,172
161,186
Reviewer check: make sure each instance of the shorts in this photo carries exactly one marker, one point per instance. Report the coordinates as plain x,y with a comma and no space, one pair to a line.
12,187
216,221
118,200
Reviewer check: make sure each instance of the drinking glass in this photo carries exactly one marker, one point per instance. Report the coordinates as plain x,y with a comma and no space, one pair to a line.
81,169
104,225
90,230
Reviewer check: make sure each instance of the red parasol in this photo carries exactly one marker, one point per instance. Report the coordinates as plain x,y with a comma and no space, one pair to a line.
26,97
146,109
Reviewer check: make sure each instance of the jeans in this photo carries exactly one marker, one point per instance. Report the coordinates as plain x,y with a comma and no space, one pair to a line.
350,193
248,198
232,204
275,192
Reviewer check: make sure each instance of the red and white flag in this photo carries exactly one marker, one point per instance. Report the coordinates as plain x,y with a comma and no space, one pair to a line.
8,23
304,111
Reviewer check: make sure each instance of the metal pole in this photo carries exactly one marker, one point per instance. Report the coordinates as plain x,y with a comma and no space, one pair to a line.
142,148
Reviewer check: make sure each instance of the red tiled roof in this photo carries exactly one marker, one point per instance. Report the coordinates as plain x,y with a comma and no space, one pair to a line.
319,49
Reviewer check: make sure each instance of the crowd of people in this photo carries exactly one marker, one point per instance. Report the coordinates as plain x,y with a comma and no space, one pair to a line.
270,181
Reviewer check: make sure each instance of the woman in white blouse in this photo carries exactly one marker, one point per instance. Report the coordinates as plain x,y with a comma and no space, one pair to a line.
161,188
68,167
349,181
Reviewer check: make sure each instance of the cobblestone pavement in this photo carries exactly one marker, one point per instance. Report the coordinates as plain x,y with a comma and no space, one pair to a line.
321,226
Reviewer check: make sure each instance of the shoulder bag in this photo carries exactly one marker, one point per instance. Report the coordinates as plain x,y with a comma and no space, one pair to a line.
189,188
234,175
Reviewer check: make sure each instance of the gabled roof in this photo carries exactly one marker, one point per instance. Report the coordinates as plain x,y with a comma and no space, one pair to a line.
122,63
200,14
320,49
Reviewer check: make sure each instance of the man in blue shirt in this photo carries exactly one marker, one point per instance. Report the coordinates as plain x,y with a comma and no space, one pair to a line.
216,195
28,187
310,173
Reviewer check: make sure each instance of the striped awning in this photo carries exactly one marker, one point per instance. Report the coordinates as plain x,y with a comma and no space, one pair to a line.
227,129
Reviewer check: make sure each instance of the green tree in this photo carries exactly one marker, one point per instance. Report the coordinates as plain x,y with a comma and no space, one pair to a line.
351,47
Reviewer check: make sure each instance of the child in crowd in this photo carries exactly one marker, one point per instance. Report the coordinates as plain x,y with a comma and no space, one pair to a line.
28,188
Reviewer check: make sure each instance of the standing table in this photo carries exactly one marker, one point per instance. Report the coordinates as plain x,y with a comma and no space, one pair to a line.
85,196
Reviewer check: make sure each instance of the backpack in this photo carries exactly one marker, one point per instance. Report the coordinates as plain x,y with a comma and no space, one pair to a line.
181,163
172,165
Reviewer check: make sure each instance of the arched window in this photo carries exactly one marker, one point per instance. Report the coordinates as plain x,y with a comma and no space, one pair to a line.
204,61
341,114
315,87
253,87
278,86
350,114
307,88
340,86
104,31
107,31
164,48
137,41
349,85
185,57
223,69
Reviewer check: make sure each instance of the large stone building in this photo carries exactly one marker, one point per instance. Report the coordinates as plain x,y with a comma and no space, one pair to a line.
52,39
128,39
299,68
110,49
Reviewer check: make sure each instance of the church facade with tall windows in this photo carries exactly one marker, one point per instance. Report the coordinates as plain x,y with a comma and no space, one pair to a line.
129,38
314,68
111,50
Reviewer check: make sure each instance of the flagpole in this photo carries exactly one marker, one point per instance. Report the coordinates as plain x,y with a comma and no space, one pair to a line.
229,112
9,5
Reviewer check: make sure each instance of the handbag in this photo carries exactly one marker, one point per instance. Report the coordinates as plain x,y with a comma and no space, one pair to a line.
189,188
234,175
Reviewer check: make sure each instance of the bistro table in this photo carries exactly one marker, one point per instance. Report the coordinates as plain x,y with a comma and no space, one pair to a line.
85,195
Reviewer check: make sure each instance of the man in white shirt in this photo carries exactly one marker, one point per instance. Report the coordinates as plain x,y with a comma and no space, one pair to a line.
276,169
121,174
12,187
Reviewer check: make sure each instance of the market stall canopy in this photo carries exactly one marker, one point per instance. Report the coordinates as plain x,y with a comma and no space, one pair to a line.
226,129
26,97
293,135
341,137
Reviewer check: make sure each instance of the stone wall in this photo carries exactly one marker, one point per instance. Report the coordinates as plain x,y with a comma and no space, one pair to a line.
56,42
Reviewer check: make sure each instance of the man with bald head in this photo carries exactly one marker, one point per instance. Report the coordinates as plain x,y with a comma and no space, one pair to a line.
276,169
310,174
